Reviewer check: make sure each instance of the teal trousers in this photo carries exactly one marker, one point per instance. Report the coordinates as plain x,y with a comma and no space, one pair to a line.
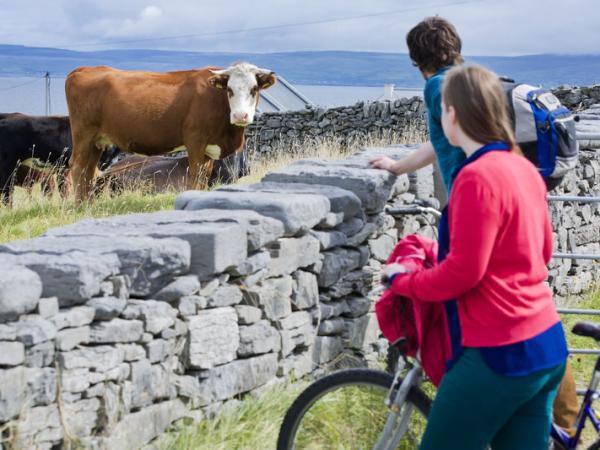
476,407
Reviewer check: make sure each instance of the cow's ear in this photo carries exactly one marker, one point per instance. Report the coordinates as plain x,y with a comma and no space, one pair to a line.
266,80
218,81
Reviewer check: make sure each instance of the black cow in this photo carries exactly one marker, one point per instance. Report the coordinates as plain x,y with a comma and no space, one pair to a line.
23,138
33,149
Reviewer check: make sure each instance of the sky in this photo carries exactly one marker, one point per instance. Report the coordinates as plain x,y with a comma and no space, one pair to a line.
487,27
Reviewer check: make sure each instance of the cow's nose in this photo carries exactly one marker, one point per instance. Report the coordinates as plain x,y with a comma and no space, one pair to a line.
240,117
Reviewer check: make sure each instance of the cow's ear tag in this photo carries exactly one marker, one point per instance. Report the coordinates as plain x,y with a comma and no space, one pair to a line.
266,80
218,81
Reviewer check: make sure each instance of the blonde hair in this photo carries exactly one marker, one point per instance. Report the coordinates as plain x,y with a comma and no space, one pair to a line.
480,103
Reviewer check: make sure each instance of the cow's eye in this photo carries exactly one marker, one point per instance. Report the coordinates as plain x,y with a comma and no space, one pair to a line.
254,91
229,92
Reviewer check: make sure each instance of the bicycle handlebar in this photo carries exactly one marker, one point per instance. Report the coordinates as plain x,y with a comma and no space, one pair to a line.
412,210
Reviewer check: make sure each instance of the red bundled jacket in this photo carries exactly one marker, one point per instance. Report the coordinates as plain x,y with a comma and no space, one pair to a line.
423,324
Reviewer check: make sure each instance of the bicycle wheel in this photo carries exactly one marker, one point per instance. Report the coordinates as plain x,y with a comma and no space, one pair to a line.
346,410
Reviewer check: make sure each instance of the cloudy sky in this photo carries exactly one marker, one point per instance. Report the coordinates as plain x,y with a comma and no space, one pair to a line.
488,27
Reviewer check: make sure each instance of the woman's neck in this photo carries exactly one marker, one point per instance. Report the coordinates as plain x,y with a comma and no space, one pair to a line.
469,146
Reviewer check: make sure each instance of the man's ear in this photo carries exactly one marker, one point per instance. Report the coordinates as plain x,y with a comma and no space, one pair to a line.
218,81
266,80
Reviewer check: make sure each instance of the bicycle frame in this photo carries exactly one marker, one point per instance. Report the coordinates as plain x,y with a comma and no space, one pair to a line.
400,412
586,411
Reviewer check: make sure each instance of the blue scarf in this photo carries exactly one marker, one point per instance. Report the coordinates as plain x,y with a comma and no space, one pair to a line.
444,247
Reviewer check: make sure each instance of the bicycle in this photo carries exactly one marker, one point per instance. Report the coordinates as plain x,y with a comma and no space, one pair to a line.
330,413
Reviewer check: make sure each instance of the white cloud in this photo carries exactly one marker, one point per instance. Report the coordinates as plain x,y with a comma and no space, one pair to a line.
487,27
151,12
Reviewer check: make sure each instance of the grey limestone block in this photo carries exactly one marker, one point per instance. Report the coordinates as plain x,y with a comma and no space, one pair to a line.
156,315
227,295
290,254
135,430
341,200
237,377
33,330
39,428
327,348
297,212
11,353
305,292
330,239
107,308
101,358
258,338
213,337
260,229
148,262
73,277
70,338
13,392
180,287
48,307
73,317
373,187
273,296
20,291
116,331
247,315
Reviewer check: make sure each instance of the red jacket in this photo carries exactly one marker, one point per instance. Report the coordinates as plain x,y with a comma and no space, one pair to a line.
500,243
423,324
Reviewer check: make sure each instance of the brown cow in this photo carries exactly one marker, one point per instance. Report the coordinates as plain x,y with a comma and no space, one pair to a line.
204,110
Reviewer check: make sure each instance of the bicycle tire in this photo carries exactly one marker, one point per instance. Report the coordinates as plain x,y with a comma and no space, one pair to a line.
332,384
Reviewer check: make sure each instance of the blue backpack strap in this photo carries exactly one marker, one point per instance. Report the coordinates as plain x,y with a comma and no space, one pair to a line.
546,135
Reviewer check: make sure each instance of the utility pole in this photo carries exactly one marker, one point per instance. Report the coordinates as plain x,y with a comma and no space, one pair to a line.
48,99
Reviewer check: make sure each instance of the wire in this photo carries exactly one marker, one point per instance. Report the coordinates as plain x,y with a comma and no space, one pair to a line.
276,27
22,84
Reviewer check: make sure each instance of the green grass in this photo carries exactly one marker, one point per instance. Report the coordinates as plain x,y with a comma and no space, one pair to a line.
33,215
253,424
582,365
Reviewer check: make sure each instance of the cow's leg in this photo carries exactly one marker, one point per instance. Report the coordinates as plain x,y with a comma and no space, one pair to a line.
8,171
201,167
83,164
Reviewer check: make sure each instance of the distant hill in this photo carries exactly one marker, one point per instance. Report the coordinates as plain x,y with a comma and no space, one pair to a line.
318,68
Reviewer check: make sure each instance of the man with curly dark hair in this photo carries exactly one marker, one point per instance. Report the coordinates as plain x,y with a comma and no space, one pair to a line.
434,47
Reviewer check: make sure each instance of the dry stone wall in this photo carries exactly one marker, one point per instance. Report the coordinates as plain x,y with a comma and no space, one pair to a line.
113,329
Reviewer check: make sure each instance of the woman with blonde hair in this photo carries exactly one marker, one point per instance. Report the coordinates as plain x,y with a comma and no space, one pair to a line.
509,348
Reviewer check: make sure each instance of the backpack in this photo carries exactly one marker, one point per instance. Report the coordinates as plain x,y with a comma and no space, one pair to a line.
544,129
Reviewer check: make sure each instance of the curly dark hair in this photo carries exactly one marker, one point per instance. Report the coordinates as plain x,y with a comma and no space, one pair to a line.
434,43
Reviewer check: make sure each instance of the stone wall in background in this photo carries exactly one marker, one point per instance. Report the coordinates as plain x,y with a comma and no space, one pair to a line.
273,131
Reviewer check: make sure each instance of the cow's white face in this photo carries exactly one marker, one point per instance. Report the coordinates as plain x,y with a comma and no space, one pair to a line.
242,83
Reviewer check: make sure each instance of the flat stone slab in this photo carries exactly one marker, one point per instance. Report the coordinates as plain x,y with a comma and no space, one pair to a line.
297,212
260,229
237,377
341,200
148,262
73,277
214,247
373,187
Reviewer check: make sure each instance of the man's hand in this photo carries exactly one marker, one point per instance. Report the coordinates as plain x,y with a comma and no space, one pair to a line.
383,162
